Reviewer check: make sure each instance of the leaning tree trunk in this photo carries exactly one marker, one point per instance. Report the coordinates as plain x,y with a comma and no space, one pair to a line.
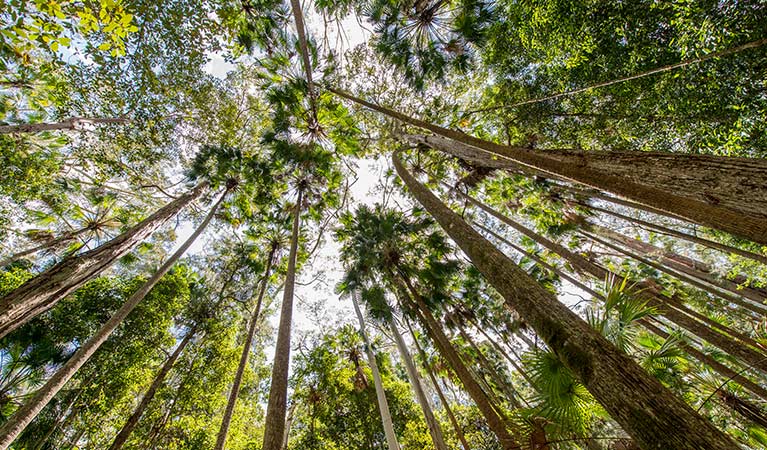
440,394
638,402
434,429
130,425
717,199
495,420
73,123
64,238
43,291
235,391
24,415
383,405
276,410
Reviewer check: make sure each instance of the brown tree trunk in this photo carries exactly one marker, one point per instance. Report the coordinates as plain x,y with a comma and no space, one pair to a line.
717,202
130,425
638,402
43,291
440,394
24,415
235,391
73,123
276,410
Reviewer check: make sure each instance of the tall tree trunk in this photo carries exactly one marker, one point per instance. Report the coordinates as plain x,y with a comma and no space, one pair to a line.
718,202
130,425
495,420
638,402
383,405
434,429
235,391
680,235
298,16
288,424
73,123
67,414
276,410
24,415
440,394
64,238
43,291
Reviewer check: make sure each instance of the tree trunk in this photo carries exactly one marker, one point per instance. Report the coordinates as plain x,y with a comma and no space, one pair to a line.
678,234
298,16
288,424
43,291
63,419
434,429
276,410
235,391
717,200
24,415
65,237
73,123
130,425
495,420
383,405
440,394
638,402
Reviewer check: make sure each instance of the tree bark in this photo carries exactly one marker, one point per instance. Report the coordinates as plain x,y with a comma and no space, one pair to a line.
73,123
130,425
383,405
276,410
24,415
638,402
43,291
719,203
235,391
434,429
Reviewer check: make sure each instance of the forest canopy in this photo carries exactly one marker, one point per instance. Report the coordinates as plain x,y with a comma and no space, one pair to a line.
395,225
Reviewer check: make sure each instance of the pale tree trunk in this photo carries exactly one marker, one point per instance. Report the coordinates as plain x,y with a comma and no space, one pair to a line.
73,123
24,415
66,415
276,410
638,402
64,238
383,405
235,391
434,429
298,16
43,291
288,424
130,425
495,420
440,394
671,308
721,205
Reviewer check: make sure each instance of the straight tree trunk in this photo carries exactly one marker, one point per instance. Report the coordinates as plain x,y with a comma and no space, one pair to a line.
638,402
130,425
276,410
495,420
434,429
27,412
43,291
717,202
235,391
440,394
73,123
383,405
288,424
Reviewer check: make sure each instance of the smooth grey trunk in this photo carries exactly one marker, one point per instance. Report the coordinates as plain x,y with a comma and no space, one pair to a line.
638,402
43,291
251,332
27,412
288,424
383,405
276,409
718,203
73,123
133,420
434,429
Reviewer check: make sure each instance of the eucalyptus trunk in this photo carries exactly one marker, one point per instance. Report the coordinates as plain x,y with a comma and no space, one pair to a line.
276,409
252,325
42,292
27,412
638,402
434,429
130,425
440,394
383,405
